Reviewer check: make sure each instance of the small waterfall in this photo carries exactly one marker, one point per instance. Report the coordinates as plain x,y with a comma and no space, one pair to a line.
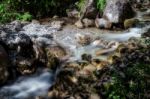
28,86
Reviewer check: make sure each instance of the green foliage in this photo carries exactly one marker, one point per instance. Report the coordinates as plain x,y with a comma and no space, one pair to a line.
8,14
128,83
101,5
80,4
23,9
40,8
24,17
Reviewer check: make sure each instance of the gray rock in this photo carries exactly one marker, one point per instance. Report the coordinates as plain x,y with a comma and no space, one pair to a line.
102,23
73,13
14,26
117,11
88,22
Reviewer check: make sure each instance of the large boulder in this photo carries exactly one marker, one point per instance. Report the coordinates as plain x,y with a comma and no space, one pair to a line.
54,55
4,63
21,51
117,11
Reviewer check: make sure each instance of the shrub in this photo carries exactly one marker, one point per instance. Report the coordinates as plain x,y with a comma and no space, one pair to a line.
101,5
8,14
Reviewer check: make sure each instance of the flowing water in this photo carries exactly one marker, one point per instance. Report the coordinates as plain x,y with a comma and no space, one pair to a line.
39,83
28,86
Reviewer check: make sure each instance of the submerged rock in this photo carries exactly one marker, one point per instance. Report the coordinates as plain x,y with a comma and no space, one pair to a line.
117,11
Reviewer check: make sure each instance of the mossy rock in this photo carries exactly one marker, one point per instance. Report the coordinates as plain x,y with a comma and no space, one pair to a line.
26,66
52,61
128,23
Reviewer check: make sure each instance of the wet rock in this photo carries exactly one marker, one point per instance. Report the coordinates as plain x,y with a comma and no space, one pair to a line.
88,22
18,41
99,64
39,53
86,57
57,51
83,39
54,55
146,34
113,59
100,43
52,61
94,96
20,50
57,24
14,26
87,70
117,11
26,66
109,48
122,49
103,23
79,24
4,64
128,23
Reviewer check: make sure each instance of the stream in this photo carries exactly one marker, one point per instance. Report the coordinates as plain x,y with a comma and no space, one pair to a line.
39,83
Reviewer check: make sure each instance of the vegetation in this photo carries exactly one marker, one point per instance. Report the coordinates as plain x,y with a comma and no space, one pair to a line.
25,9
132,84
7,13
101,5
128,78
28,9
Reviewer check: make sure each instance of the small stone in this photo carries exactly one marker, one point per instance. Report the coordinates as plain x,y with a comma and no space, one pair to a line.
83,39
94,96
57,24
103,23
34,21
73,13
79,24
88,70
88,22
